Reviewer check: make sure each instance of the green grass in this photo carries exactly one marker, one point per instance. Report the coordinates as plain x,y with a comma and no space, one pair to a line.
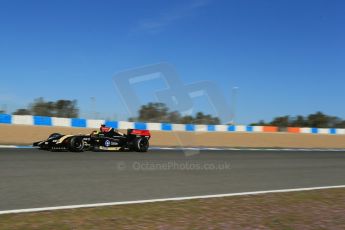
320,209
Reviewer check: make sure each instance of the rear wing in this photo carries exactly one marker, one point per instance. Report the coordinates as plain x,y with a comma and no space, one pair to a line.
138,132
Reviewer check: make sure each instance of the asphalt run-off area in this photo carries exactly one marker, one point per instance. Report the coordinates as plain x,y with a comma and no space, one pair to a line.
30,178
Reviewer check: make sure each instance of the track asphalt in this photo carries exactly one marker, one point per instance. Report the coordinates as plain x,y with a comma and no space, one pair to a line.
30,178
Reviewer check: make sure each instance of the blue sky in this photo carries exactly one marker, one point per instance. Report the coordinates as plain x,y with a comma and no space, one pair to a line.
286,57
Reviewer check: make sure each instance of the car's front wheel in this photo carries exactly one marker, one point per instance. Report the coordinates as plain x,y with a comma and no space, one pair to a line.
76,144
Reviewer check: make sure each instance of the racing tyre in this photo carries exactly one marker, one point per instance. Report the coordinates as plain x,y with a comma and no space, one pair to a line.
76,144
54,135
141,144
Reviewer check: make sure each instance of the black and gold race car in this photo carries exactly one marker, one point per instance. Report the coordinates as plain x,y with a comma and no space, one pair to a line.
107,139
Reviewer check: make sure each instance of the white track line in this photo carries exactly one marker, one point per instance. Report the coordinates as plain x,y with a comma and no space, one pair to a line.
164,200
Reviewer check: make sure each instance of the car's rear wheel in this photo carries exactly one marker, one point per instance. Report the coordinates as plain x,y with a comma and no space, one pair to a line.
141,144
76,144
